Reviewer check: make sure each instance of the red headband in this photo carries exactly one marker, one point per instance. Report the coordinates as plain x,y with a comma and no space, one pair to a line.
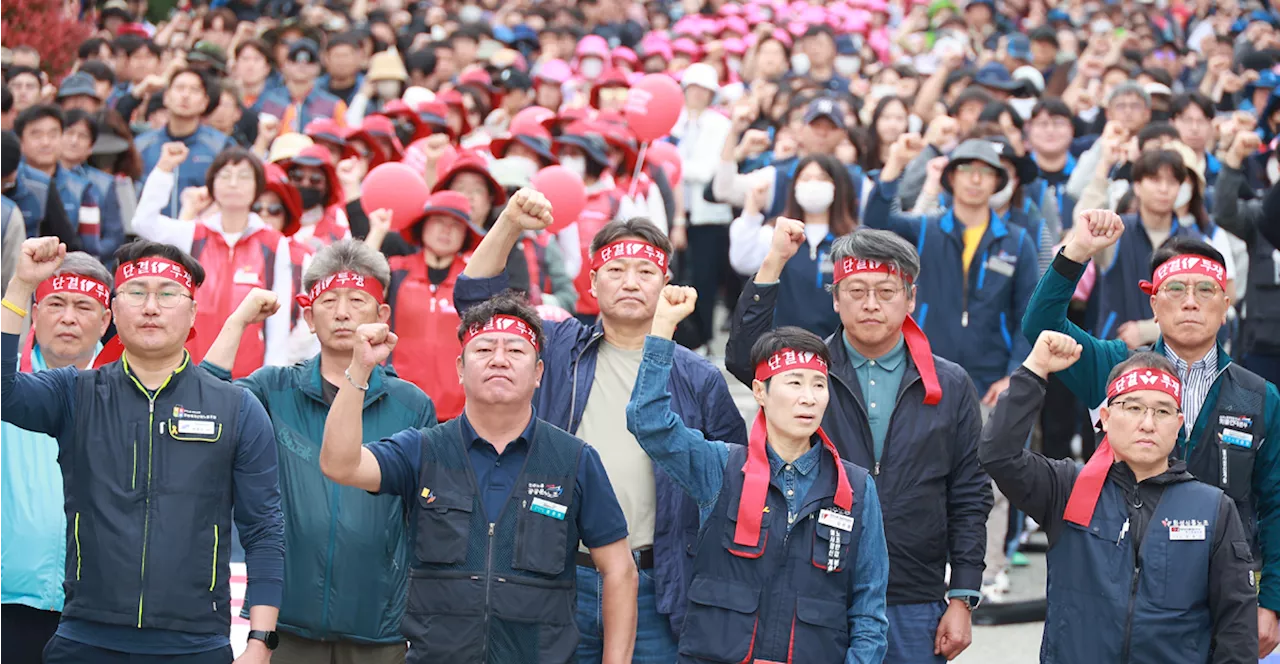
630,249
755,484
502,324
343,279
1186,264
789,359
851,266
154,266
74,283
1088,486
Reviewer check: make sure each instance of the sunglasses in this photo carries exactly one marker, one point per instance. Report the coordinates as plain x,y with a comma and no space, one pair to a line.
298,178
274,210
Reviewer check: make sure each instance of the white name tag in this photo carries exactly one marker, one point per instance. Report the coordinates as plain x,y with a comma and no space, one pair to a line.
836,520
1186,533
196,427
246,277
1000,267
547,508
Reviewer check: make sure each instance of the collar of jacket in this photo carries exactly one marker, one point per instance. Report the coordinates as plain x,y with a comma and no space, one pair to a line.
1223,358
996,227
313,384
177,374
842,367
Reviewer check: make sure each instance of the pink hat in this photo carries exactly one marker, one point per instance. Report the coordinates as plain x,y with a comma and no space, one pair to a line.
593,45
624,54
858,22
735,24
878,6
554,71
813,15
784,36
735,46
730,9
657,48
797,28
687,47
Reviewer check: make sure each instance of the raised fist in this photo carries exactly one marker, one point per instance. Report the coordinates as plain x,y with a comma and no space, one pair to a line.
676,303
380,221
907,147
256,307
194,200
171,156
942,131
1097,230
527,209
41,257
374,343
788,237
757,196
1053,352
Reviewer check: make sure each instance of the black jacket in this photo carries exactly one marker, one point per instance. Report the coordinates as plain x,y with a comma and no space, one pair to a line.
933,493
1040,487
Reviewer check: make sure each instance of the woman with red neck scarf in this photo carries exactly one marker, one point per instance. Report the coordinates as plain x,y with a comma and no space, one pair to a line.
421,296
792,564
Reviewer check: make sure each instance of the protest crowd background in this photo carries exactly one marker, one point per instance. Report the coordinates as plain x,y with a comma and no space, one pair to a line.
348,211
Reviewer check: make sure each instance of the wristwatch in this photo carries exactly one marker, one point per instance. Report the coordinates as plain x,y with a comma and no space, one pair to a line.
270,639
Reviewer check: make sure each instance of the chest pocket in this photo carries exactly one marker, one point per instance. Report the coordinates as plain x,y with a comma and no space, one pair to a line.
731,527
542,533
194,453
1096,547
1236,448
444,523
830,547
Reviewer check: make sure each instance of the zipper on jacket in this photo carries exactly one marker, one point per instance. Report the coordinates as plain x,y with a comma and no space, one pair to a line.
213,578
77,535
133,484
488,588
1133,597
875,471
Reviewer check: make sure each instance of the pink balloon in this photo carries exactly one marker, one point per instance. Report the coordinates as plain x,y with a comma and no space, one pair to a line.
667,157
397,187
653,106
566,193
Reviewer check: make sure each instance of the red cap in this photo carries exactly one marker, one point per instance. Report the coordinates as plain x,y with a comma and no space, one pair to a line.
470,162
278,184
318,156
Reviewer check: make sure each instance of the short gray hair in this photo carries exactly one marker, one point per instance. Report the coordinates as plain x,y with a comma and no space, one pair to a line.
1130,87
85,265
876,245
352,255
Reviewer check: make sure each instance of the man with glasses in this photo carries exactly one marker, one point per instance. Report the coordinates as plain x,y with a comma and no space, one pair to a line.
1145,563
1050,132
908,416
1231,415
154,454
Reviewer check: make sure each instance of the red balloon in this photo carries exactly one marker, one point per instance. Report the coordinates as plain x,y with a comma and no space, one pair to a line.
653,106
397,187
566,193
666,156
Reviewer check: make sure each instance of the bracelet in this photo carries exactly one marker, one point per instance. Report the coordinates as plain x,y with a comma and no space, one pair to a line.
22,313
358,386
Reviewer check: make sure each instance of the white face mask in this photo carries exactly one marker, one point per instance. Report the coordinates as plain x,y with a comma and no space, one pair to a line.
591,68
1273,170
1184,196
800,64
1001,198
1023,107
847,65
815,196
735,64
523,166
388,89
576,165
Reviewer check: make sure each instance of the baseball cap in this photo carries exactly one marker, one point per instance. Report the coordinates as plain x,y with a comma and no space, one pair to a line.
825,107
304,51
1019,47
76,85
514,79
975,149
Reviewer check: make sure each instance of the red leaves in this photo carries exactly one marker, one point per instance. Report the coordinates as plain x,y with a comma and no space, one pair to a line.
51,26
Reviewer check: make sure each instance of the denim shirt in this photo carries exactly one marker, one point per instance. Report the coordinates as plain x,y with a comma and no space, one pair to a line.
797,477
698,466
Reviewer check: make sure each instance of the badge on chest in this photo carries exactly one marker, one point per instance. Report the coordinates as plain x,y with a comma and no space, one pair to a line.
1191,530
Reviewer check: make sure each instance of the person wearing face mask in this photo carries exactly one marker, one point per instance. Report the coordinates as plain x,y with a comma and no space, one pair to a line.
581,149
300,100
280,207
821,198
218,227
383,83
324,218
847,63
982,269
592,57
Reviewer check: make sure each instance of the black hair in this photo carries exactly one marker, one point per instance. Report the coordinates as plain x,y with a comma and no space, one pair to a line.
6,99
423,60
788,336
820,29
1156,130
18,70
1152,162
1141,360
870,158
76,116
212,91
1186,100
844,206
639,227
154,104
1161,76
507,303
130,47
992,112
38,112
90,48
146,249
127,43
1054,106
99,70
349,38
1178,245
970,95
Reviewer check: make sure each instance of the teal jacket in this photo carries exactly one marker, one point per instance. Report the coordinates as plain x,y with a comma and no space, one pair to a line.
1087,380
346,554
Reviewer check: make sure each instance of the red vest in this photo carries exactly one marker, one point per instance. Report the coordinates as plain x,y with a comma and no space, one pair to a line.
423,317
602,207
230,273
533,249
330,228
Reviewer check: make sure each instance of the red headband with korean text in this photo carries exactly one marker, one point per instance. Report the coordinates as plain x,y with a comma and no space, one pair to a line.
1088,486
1186,264
789,359
630,249
917,343
154,266
342,279
75,283
502,324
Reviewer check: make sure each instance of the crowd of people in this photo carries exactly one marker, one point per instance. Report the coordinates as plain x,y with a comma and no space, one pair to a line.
988,267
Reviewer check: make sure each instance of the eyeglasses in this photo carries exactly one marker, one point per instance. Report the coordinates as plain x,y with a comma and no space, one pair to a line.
228,176
1138,411
275,209
1177,290
167,299
301,179
1128,105
883,293
1055,123
974,167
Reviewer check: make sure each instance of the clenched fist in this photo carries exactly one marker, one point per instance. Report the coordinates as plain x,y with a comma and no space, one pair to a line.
674,305
171,156
528,209
788,237
41,257
1097,230
256,307
374,343
1053,352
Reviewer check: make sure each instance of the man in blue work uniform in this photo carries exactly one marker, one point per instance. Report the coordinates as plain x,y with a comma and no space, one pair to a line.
808,589
189,97
333,610
1232,416
154,453
909,416
590,373
499,502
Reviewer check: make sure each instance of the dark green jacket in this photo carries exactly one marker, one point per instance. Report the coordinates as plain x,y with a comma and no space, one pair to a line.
1087,380
346,550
